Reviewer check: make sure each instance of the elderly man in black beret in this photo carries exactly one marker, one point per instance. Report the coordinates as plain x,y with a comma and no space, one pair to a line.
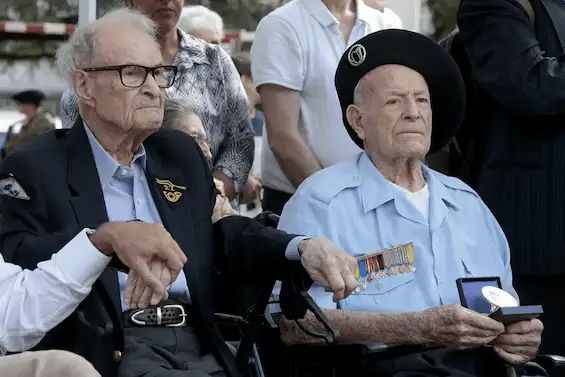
36,122
414,231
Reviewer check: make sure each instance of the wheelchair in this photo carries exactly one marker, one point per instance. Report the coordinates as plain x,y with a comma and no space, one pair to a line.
334,358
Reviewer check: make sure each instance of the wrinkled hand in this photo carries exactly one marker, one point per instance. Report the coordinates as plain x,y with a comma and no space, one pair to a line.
137,244
329,266
520,341
138,295
222,206
220,187
252,188
457,327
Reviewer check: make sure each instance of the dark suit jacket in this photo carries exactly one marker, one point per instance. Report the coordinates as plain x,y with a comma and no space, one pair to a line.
521,141
58,172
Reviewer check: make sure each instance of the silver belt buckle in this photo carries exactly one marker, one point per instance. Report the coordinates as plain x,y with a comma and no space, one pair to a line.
160,316
182,314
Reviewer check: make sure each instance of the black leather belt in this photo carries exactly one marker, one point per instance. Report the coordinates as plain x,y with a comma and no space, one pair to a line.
166,315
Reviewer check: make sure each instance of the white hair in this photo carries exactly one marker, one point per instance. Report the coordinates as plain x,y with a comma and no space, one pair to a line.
80,48
360,91
199,17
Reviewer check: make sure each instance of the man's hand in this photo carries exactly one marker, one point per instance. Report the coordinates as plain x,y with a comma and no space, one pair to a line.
222,206
138,295
329,266
460,328
252,188
136,244
520,341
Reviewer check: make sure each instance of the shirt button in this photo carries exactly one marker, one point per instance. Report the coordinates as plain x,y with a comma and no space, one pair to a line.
117,356
124,172
139,201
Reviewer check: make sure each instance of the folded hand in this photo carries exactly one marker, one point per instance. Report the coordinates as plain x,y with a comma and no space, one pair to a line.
138,294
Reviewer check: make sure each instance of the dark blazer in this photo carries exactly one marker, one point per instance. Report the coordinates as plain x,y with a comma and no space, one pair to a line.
520,148
58,173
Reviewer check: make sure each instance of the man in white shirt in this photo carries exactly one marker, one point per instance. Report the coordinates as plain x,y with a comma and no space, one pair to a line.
293,59
34,302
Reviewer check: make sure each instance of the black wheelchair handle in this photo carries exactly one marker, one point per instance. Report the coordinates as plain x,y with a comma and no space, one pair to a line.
295,302
333,333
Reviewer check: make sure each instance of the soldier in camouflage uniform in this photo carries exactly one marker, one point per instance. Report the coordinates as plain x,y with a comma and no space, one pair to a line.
37,121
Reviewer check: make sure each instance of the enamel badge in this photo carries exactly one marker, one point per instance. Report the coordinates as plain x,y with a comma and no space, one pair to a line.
10,187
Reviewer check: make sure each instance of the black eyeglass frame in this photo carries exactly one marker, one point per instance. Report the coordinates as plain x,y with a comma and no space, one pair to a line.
148,70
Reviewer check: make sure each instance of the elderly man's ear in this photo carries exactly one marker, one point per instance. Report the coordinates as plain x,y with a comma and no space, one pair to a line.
81,87
354,118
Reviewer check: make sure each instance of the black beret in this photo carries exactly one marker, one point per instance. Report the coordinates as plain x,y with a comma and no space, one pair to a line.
29,96
415,51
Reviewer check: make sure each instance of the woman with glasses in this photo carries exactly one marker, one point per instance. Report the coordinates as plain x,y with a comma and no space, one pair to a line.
205,75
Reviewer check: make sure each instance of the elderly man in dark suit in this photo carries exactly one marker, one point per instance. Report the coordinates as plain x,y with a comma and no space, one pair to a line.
519,150
116,164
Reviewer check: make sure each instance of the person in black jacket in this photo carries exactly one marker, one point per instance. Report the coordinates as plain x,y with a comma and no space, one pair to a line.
518,69
116,164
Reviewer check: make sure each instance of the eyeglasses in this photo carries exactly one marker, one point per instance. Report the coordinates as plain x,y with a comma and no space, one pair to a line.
134,76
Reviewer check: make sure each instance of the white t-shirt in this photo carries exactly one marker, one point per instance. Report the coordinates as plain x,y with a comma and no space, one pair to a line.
298,46
419,199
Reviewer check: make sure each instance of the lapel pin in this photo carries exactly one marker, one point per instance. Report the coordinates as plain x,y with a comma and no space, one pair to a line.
11,187
171,192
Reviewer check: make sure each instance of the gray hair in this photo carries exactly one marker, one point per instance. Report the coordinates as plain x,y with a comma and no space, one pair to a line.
199,17
361,90
80,48
176,111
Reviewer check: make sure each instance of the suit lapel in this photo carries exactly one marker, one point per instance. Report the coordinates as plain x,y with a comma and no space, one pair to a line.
175,214
87,198
555,11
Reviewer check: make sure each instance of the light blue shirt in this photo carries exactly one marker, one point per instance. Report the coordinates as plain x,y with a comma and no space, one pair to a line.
352,204
127,197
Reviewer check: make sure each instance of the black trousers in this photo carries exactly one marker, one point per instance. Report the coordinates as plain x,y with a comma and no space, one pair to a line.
548,292
166,352
481,362
274,200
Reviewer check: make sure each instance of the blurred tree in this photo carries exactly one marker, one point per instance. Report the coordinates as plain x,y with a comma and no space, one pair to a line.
444,14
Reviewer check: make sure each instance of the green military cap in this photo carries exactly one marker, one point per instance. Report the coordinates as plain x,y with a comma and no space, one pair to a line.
29,96
415,51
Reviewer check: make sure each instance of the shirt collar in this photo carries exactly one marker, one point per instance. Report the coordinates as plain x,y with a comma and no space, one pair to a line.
376,190
322,14
191,51
105,164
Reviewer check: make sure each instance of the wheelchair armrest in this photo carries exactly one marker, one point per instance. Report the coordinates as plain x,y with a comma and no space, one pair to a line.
376,350
551,363
295,302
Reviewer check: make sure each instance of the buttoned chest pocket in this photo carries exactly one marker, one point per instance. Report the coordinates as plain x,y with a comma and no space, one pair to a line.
386,294
385,283
477,265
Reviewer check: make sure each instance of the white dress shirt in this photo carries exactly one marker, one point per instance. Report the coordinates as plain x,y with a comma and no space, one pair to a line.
34,302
